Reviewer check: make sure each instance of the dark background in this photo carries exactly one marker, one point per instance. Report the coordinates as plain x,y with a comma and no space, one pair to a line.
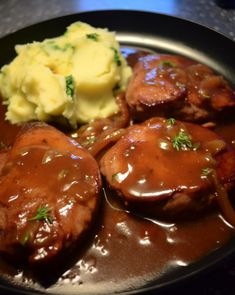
16,14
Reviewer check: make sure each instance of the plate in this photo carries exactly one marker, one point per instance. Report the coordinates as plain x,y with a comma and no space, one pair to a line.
154,32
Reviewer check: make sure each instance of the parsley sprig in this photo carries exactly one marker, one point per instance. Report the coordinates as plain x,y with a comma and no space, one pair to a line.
116,57
182,141
93,36
171,121
69,85
167,63
43,213
206,171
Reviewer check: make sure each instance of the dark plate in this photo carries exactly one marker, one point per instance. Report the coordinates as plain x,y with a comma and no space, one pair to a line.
159,33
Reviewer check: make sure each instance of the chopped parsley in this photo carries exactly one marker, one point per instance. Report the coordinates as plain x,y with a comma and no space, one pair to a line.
171,121
206,171
167,63
25,239
94,36
116,57
54,46
69,85
182,141
43,213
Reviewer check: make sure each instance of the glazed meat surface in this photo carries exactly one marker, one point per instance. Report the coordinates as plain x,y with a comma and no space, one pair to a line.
166,167
174,86
49,193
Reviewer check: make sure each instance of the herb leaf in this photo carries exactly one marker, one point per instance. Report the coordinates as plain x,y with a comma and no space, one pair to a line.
43,213
93,36
69,85
116,57
25,239
182,141
171,121
167,63
206,171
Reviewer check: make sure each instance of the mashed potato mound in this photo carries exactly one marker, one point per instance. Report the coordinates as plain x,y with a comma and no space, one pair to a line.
74,76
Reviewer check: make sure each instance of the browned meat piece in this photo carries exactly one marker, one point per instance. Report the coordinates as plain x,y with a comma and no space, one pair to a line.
49,193
165,167
174,86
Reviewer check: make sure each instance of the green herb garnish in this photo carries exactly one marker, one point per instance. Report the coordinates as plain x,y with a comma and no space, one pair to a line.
206,171
167,63
116,57
171,121
43,213
182,141
54,46
69,85
25,239
94,36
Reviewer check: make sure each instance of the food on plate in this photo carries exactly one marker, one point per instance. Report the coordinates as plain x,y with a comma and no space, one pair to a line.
100,133
49,193
175,86
74,76
167,184
169,168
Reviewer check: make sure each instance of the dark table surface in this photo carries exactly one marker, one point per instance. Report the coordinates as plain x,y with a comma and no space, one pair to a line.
17,14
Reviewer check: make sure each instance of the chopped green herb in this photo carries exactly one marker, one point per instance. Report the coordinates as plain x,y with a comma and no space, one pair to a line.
206,171
55,46
25,239
94,36
43,213
116,57
182,141
69,85
171,121
167,63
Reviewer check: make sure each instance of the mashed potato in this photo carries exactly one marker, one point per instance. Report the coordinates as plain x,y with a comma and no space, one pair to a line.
74,76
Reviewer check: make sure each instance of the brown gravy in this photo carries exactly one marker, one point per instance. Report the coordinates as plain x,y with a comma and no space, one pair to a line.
127,251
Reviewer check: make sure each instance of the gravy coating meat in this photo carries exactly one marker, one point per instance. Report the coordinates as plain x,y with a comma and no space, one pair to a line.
174,86
49,193
169,168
